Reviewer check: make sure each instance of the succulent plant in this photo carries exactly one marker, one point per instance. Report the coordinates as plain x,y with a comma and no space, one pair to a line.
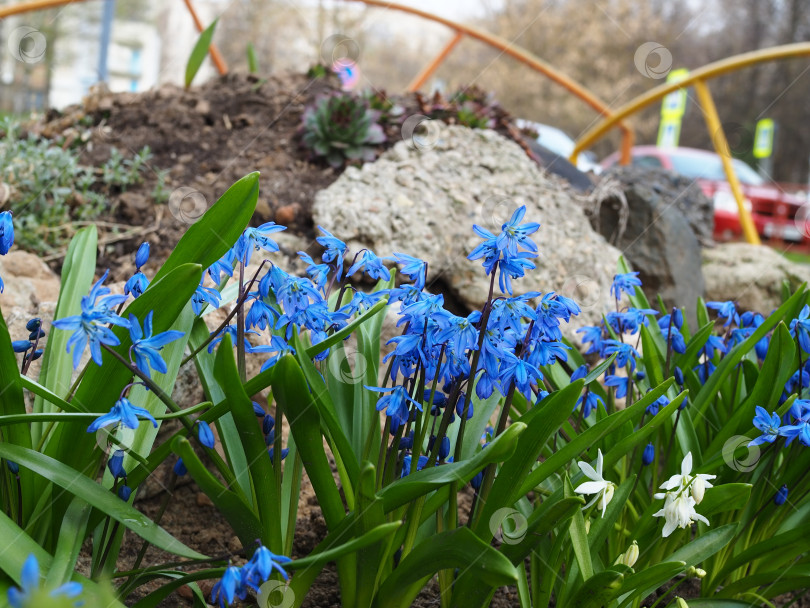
342,127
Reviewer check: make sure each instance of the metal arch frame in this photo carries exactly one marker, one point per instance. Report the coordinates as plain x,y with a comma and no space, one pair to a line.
514,51
698,79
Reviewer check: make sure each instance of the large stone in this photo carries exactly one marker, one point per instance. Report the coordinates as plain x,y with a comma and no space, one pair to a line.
424,203
28,281
681,192
657,240
751,275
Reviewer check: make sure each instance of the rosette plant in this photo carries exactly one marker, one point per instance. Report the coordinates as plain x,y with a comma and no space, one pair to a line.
342,127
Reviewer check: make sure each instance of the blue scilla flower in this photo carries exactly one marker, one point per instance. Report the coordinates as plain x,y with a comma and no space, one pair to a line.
648,455
136,284
714,343
224,265
620,382
656,405
704,370
768,424
523,374
142,255
124,492
122,412
204,295
29,586
592,334
625,283
413,268
800,328
395,404
725,310
781,496
625,353
278,346
6,232
90,326
590,401
406,464
255,239
514,268
335,249
319,273
514,234
261,314
371,265
800,429
229,587
674,318
262,565
146,347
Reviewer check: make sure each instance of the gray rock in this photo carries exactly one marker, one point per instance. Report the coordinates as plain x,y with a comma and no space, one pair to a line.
681,192
424,203
750,275
658,240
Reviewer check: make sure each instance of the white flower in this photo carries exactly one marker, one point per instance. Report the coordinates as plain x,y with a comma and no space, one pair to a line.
685,479
603,489
679,512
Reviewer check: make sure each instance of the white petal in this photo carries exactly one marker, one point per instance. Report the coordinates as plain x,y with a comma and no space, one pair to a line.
699,517
591,487
599,461
589,472
659,513
686,465
672,483
669,528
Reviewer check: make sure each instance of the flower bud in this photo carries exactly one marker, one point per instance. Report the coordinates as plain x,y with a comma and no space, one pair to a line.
648,455
116,464
587,526
33,324
13,467
698,490
629,557
781,496
257,409
444,448
36,334
180,468
36,354
606,497
124,492
205,434
20,346
142,255
681,602
678,373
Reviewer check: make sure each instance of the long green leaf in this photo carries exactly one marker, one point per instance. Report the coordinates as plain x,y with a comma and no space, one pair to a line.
71,536
458,548
210,237
78,484
199,52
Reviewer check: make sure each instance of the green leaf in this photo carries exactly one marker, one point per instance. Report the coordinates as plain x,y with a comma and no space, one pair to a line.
458,548
253,64
598,590
199,52
404,490
346,331
590,437
579,537
79,485
293,396
726,497
210,237
542,422
13,404
704,546
71,537
77,276
239,515
262,476
652,577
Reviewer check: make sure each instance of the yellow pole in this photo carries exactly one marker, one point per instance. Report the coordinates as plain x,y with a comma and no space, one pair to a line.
721,147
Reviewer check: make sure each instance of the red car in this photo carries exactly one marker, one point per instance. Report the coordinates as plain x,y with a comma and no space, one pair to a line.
773,210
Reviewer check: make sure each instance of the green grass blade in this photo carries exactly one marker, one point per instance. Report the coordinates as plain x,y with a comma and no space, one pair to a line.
199,52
